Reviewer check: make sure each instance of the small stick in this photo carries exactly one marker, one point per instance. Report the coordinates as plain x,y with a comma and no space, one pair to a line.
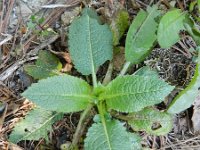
108,75
6,20
8,38
3,111
2,14
166,3
43,45
141,3
9,71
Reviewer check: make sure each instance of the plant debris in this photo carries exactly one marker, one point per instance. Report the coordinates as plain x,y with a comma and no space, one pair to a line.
29,28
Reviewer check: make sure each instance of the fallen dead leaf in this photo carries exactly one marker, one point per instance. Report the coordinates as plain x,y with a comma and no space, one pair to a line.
66,56
67,68
119,59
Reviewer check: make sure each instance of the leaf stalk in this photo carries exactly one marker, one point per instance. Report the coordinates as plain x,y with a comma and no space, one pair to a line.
125,68
80,126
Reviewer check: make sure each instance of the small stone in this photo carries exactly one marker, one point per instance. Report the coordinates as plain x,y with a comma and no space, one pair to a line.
68,15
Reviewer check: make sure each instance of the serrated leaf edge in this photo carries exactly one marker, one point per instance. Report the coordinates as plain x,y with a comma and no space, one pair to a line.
48,120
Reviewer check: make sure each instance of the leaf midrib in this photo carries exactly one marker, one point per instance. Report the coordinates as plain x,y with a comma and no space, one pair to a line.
42,125
141,27
128,94
63,95
172,22
106,133
90,47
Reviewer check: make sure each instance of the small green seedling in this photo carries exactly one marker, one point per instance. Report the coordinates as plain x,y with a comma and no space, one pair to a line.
127,98
35,24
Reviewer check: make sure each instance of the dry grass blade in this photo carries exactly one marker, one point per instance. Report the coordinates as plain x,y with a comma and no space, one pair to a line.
5,21
7,38
3,110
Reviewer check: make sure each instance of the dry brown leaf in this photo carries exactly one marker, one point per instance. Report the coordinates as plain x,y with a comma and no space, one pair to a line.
119,59
66,56
67,68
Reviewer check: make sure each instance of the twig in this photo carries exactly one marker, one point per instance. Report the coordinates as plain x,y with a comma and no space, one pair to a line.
8,38
141,3
184,53
9,71
43,45
58,6
181,142
2,14
166,3
6,20
3,111
185,48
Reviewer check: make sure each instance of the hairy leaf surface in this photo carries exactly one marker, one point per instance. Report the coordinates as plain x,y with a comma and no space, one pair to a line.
90,44
141,35
133,93
186,97
36,125
114,137
92,14
60,93
152,121
47,65
169,27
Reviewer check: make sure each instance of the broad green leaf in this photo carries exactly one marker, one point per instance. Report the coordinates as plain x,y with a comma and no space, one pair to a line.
147,72
192,29
90,44
169,27
36,125
198,3
119,25
60,93
194,33
186,97
141,35
152,121
133,93
135,141
92,14
47,65
112,137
